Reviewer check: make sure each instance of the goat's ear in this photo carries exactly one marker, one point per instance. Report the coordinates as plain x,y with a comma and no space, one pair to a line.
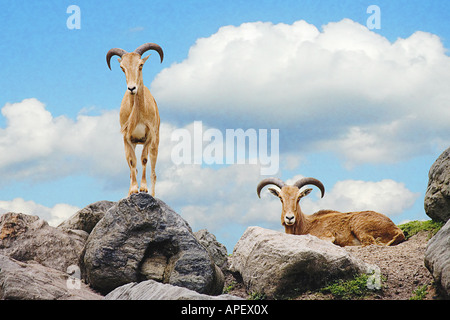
145,59
274,192
119,59
304,193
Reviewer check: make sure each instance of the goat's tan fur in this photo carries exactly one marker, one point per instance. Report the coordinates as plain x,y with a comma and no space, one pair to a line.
343,229
139,120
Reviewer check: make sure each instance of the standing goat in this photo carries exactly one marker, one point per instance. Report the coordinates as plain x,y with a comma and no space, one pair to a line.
139,115
343,229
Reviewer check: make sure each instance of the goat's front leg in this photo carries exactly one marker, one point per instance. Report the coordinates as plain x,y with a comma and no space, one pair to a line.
132,162
152,151
144,160
328,236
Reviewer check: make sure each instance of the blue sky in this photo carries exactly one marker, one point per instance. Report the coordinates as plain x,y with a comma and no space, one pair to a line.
362,110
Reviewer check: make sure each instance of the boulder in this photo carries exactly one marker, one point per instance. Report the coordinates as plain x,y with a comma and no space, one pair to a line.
437,258
217,251
25,237
86,218
152,290
141,238
33,281
437,197
277,264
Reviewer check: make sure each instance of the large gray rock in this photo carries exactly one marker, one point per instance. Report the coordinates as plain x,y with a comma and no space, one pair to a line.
217,251
152,290
437,197
437,258
141,238
25,237
276,264
33,281
86,218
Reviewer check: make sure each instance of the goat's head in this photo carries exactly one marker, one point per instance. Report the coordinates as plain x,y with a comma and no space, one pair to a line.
290,196
132,63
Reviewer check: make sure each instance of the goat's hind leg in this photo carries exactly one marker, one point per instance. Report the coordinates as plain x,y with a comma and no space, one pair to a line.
366,239
153,158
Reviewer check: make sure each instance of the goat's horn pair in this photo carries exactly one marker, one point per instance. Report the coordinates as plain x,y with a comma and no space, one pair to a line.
299,183
140,50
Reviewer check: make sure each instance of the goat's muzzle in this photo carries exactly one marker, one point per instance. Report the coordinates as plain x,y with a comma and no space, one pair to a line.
289,219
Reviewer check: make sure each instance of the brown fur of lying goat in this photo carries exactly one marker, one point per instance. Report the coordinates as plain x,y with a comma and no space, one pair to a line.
343,229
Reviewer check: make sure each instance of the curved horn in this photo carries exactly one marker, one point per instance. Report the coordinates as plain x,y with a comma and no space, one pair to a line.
150,46
304,181
275,181
114,52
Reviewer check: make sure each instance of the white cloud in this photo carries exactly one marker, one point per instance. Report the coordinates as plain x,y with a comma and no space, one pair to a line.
214,197
344,88
386,196
54,215
36,145
136,29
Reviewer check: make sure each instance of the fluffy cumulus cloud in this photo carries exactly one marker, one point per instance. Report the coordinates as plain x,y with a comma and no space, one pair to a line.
386,196
36,145
342,88
53,215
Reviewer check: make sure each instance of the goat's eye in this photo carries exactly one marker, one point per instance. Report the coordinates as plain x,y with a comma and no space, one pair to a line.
141,66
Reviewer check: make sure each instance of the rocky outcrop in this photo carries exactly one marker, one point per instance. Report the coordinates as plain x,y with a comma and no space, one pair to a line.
141,238
35,258
86,218
152,290
24,238
437,197
139,248
135,239
277,264
437,258
217,251
33,281
437,207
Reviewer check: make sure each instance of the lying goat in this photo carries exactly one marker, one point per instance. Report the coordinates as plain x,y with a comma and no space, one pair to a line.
343,229
139,115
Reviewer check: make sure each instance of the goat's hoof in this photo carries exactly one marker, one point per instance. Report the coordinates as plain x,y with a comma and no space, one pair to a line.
133,190
143,189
